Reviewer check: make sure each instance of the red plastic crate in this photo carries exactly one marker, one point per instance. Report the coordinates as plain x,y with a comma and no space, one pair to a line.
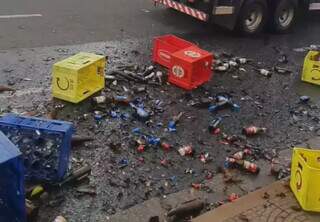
164,46
190,67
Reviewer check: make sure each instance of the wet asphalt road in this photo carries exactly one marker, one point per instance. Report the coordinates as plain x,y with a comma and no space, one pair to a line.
73,21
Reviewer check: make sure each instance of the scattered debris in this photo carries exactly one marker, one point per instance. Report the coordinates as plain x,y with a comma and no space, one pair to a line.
233,197
187,208
6,89
253,130
185,150
79,140
76,175
87,190
60,219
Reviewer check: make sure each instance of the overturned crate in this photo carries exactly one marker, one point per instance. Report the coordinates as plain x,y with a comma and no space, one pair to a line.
45,145
12,198
78,77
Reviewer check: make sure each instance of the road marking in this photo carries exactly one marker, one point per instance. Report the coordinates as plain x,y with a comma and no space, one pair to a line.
20,16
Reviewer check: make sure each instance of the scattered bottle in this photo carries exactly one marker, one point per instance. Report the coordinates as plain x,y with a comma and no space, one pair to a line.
150,76
214,125
230,162
140,113
98,116
123,163
241,60
240,155
141,148
159,76
265,72
233,197
223,102
221,68
172,124
152,140
148,70
253,130
233,63
60,219
165,146
186,150
164,162
250,167
281,70
204,158
125,100
304,99
140,89
79,140
196,186
99,100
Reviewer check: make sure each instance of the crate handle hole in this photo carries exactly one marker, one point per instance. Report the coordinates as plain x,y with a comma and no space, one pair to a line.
86,62
86,92
318,159
57,124
300,166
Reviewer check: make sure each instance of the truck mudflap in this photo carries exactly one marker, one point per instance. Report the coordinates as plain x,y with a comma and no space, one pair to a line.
200,15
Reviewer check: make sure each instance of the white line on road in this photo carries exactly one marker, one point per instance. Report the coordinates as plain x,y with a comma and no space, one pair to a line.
20,16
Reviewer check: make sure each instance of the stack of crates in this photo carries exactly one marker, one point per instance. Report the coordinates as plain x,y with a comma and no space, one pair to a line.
45,145
12,198
165,46
189,66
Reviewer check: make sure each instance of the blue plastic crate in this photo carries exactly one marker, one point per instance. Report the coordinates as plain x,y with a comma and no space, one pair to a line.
12,197
45,145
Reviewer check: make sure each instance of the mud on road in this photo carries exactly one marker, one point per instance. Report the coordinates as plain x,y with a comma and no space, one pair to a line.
269,102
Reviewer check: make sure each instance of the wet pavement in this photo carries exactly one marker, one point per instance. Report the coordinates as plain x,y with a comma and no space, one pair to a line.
268,102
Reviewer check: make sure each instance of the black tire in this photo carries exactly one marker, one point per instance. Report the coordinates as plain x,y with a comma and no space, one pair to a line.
253,17
284,16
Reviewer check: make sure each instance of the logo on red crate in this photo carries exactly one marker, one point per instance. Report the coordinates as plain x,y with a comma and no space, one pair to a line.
192,54
164,55
178,71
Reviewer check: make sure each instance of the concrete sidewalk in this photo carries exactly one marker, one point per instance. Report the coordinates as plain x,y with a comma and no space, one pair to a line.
273,203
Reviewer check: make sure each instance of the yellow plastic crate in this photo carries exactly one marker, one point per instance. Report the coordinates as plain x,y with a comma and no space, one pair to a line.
311,69
78,77
305,178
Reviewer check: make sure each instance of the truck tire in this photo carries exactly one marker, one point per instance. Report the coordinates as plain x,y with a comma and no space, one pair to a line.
253,17
284,16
